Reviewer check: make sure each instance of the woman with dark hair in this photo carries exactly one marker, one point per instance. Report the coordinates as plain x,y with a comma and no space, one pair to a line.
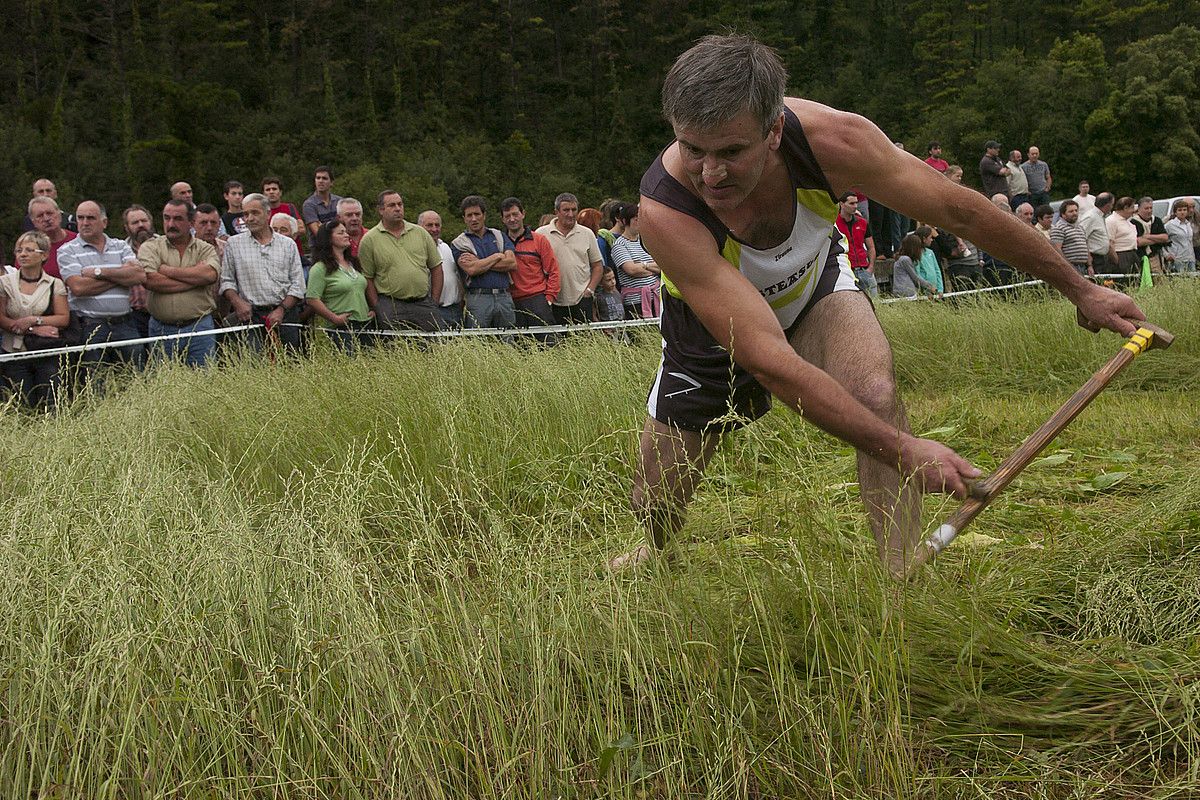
928,267
337,288
637,271
610,210
33,314
905,278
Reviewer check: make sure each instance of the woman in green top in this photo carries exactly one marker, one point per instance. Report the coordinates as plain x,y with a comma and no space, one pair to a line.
337,288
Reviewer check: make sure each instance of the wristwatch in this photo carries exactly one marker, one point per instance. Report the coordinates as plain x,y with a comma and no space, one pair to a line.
96,272
38,322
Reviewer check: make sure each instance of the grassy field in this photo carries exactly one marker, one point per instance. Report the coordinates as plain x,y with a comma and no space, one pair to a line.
381,578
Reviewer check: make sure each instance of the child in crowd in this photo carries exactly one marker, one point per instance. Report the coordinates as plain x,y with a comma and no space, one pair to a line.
608,305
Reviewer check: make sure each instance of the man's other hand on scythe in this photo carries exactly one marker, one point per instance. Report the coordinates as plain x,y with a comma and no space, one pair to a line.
1098,307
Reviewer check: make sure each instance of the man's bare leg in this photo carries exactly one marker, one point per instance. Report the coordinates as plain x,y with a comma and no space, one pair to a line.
671,463
842,336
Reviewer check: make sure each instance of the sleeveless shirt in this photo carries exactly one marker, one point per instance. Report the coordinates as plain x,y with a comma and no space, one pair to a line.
785,275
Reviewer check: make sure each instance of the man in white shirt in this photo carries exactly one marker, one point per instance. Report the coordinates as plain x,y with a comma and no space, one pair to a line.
450,305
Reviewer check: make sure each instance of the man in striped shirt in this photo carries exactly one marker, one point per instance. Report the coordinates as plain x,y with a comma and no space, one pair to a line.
99,272
1069,239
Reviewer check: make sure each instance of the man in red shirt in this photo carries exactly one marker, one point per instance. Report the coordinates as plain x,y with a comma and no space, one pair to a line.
535,281
47,218
858,242
350,212
272,189
935,159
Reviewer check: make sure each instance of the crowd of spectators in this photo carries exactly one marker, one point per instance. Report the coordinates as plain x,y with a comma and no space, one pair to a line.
1098,234
284,270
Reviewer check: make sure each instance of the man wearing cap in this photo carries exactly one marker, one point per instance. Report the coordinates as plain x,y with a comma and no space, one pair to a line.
992,171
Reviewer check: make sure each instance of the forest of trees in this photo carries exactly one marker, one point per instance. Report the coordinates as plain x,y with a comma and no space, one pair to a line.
116,99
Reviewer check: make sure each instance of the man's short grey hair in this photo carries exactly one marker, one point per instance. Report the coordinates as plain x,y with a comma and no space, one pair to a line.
43,200
348,201
565,197
1147,199
719,78
260,198
421,216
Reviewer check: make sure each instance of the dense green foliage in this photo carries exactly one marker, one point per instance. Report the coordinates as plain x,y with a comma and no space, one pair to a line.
117,99
382,577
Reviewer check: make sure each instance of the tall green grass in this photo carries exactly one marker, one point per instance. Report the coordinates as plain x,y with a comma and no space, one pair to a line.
382,578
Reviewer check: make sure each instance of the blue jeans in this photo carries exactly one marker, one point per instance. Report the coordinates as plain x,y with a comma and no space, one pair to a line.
196,351
105,329
867,281
452,316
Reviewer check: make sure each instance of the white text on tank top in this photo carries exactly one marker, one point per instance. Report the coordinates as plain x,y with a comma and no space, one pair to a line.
786,275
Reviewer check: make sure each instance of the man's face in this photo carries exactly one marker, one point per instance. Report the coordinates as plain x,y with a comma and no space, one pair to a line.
514,219
993,151
1070,214
433,224
1182,211
272,192
1025,212
257,218
47,219
1015,156
182,191
45,188
1034,154
233,197
1146,210
206,226
322,182
725,163
351,217
1084,188
392,210
136,221
90,221
848,207
282,228
474,218
935,152
565,214
176,227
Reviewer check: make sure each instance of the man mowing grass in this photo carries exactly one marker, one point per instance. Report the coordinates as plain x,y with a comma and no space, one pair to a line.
759,298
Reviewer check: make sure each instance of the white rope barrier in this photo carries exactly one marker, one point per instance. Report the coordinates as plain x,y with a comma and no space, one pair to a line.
80,348
530,331
508,332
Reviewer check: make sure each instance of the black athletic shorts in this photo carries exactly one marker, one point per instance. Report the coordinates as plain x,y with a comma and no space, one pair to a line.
698,386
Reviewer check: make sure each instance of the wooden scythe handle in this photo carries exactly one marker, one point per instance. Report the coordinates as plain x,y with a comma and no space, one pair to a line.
1147,337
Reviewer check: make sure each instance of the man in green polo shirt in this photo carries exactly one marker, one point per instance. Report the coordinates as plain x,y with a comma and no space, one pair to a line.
402,265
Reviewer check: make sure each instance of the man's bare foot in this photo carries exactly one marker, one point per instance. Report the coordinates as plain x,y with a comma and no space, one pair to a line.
634,558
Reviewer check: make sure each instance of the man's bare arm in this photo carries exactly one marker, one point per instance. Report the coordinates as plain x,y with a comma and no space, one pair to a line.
201,274
855,154
157,282
474,265
131,273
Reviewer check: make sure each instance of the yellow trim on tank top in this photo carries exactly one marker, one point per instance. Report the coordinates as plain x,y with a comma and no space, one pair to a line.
815,200
818,202
788,297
